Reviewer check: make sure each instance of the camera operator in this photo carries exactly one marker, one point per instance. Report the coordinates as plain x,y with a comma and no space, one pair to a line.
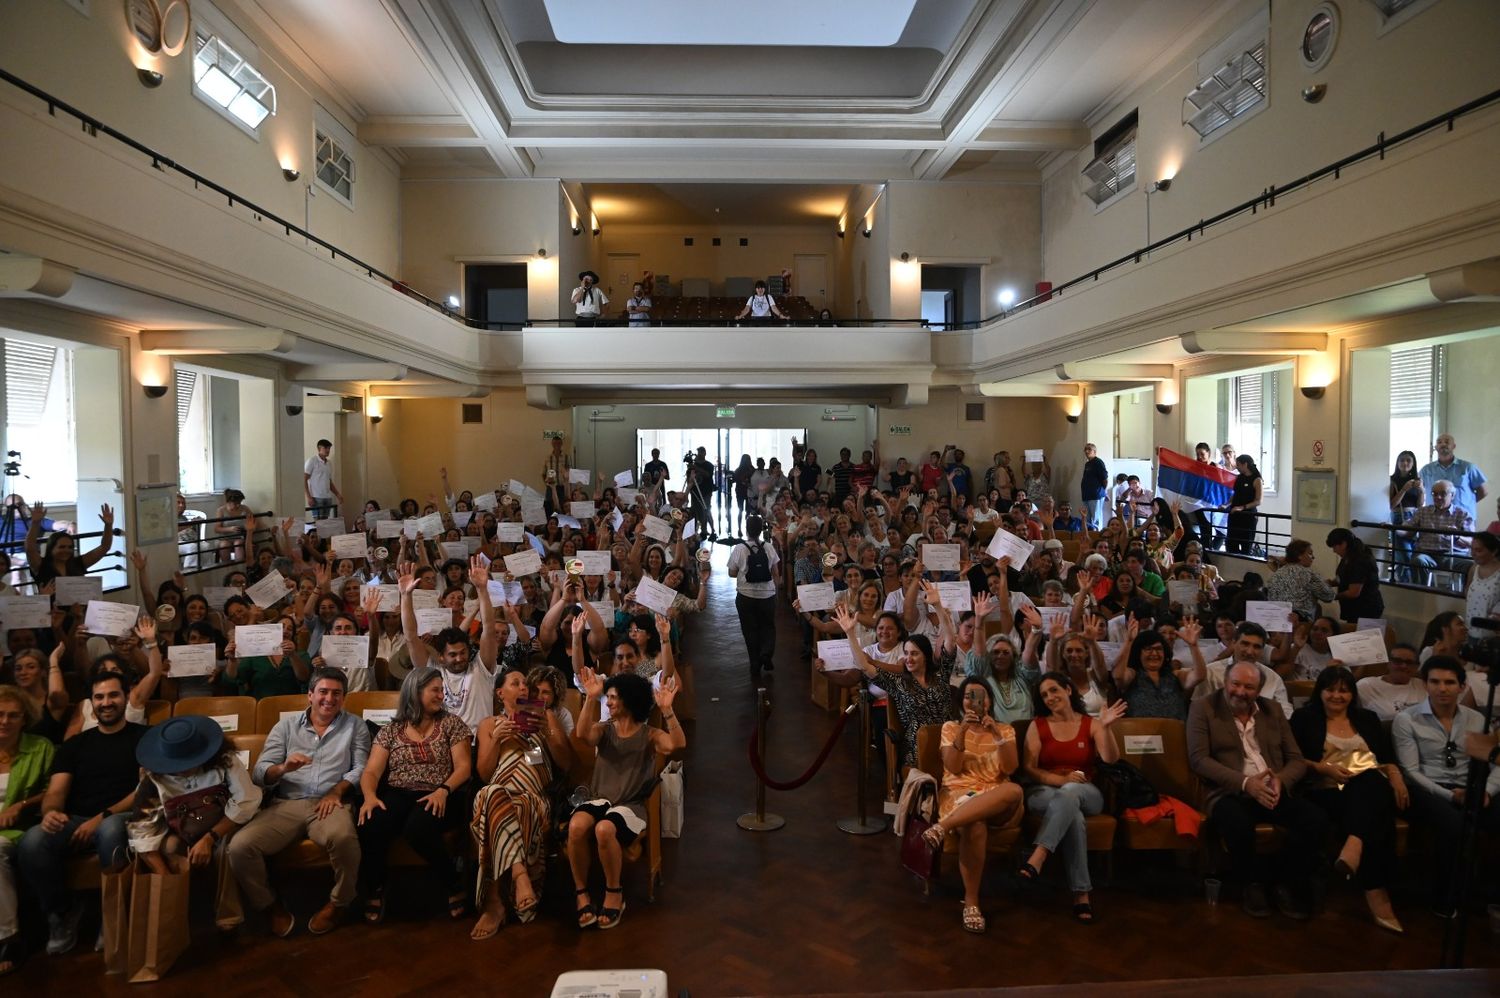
700,475
588,300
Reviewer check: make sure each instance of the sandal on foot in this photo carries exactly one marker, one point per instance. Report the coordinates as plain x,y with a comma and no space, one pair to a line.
1028,872
458,905
477,934
1084,912
588,914
10,954
973,919
934,835
375,909
525,904
610,917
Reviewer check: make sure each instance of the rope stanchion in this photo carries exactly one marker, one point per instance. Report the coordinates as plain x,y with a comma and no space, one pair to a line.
862,823
759,820
758,763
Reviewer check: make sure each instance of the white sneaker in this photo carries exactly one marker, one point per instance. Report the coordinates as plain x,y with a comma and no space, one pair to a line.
62,930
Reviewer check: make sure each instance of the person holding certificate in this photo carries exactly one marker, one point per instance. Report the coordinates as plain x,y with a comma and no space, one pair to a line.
1353,776
917,691
280,674
61,555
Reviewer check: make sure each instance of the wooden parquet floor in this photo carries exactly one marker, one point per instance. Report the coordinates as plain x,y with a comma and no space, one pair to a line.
804,910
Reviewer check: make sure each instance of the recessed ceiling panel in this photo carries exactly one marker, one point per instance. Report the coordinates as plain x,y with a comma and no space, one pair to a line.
848,23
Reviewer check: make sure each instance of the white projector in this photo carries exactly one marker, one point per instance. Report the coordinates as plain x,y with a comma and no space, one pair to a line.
611,984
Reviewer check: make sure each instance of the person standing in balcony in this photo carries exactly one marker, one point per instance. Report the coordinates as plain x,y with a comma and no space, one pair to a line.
760,306
588,300
1094,487
1244,502
317,482
1467,480
638,306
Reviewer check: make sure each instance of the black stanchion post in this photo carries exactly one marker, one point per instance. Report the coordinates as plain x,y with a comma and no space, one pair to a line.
760,821
862,823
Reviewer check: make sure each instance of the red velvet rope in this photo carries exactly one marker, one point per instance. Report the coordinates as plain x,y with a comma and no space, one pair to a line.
812,770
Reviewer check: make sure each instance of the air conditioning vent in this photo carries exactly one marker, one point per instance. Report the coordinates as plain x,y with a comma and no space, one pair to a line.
974,412
473,412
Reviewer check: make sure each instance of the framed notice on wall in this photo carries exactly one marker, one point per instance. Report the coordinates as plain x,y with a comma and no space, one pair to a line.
155,515
1317,495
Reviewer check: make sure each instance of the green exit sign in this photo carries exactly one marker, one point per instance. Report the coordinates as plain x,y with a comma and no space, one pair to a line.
900,431
725,412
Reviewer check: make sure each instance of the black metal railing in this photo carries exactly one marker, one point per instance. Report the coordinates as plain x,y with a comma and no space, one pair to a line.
202,549
1265,199
1398,558
696,323
1267,540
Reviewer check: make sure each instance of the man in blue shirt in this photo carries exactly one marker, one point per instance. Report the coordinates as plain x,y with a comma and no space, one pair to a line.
308,765
1430,739
1468,481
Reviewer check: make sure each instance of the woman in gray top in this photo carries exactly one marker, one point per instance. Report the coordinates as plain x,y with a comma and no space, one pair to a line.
615,814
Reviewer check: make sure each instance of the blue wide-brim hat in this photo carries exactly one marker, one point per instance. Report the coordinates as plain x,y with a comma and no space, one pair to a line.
181,744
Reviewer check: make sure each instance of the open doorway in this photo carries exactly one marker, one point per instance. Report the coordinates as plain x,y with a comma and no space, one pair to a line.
723,447
954,291
495,294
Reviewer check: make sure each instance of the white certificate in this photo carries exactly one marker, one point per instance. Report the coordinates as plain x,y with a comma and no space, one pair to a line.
1007,545
375,515
485,501
583,510
1034,456
192,660
578,476
595,562
471,609
1110,650
32,612
563,520
1365,647
1052,613
227,722
472,543
656,528
940,557
627,497
523,563
606,611
349,546
380,715
689,528
345,651
114,619
422,599
517,488
390,597
409,529
388,529
1273,615
217,596
956,596
76,590
430,526
257,639
836,654
431,619
509,532
461,518
454,550
533,512
654,596
330,526
615,519
1183,591
269,591
505,593
1371,624
815,596
625,479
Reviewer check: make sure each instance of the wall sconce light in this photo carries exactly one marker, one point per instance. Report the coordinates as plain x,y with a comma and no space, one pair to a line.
154,391
294,410
541,254
150,78
905,257
839,230
594,223
375,420
1313,391
1164,184
1165,408
1072,418
577,229
1314,93
290,175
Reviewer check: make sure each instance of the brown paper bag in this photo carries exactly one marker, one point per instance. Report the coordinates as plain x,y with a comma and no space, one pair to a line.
158,922
115,890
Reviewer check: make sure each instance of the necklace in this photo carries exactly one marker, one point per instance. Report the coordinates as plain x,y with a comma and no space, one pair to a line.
1010,697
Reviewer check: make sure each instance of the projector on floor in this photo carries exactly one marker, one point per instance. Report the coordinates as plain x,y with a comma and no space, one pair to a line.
611,984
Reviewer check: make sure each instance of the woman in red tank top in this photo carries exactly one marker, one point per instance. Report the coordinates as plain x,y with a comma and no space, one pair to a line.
1063,746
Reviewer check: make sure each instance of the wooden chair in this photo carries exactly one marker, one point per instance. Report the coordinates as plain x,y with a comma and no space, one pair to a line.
250,745
573,700
1164,762
649,842
272,709
1300,690
158,711
1100,829
1002,838
360,704
234,714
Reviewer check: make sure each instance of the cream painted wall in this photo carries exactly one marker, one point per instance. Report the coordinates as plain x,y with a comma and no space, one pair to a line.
868,294
446,222
997,226
661,250
90,62
1449,47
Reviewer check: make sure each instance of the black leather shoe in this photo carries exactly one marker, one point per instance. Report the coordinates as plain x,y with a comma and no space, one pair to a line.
1254,901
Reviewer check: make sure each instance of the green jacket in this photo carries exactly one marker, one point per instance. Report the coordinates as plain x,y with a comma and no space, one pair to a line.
28,775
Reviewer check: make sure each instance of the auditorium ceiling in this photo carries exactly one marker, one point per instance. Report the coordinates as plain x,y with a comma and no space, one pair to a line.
708,90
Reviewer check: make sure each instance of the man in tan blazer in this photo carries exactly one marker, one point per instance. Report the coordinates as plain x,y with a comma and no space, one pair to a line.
1241,746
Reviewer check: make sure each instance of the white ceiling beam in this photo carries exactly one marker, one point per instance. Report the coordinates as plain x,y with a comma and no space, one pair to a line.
441,130
428,391
232,340
1479,280
1029,136
302,373
1115,372
31,275
1027,389
1253,344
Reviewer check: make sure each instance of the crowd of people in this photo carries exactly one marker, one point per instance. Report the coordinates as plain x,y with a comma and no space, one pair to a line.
482,610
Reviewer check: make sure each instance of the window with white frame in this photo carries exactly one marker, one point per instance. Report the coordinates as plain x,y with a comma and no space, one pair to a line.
1417,381
1250,420
225,80
195,436
39,422
1231,81
332,147
1112,170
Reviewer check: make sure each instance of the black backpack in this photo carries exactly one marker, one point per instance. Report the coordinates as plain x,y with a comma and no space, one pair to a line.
758,565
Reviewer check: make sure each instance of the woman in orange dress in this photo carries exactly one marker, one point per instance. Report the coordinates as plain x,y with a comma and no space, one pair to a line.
979,754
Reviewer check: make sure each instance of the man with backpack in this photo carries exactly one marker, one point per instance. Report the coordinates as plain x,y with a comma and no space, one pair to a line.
753,564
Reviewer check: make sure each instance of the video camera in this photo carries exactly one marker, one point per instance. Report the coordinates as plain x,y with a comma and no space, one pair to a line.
1483,651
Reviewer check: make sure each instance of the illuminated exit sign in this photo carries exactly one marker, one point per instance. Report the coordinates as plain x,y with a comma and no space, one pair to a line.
725,412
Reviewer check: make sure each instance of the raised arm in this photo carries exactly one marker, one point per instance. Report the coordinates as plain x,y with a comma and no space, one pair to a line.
672,739
489,633
862,662
406,581
106,539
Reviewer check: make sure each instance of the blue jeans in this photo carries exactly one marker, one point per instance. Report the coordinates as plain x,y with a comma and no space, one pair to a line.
1062,810
44,857
1094,511
1454,564
322,507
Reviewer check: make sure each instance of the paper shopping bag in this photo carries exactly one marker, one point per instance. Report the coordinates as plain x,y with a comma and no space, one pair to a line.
115,905
158,922
671,801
